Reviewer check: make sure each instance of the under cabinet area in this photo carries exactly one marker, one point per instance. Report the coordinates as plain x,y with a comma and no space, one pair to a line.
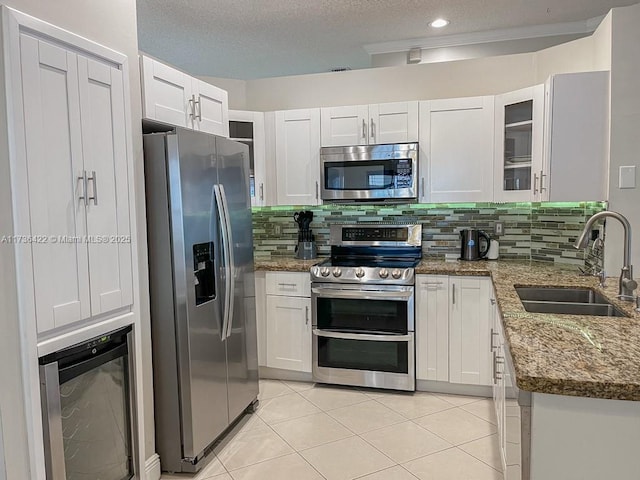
173,97
453,329
369,124
287,322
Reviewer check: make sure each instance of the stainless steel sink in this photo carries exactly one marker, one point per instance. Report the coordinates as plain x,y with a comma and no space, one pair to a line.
569,308
554,294
568,301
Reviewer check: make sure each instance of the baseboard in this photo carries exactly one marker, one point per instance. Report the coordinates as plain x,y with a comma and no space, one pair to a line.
454,388
152,468
281,374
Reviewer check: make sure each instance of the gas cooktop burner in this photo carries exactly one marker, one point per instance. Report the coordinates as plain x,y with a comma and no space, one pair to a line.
380,254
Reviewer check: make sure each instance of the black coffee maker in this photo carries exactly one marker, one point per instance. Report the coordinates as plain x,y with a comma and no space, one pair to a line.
306,247
470,244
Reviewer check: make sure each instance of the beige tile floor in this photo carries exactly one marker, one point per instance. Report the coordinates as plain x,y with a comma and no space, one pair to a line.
303,431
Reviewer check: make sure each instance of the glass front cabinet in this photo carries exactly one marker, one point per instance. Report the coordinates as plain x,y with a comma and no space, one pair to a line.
519,146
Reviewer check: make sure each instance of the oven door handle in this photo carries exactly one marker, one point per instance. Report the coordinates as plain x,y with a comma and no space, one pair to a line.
363,294
362,336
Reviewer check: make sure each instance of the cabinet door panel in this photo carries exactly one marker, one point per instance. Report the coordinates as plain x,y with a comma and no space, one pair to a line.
519,124
167,94
432,327
393,122
54,163
105,153
344,126
455,170
298,156
289,333
469,334
212,111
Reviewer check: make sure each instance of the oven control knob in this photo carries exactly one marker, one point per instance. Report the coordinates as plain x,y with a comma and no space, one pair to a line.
396,273
359,272
384,273
324,271
337,272
315,271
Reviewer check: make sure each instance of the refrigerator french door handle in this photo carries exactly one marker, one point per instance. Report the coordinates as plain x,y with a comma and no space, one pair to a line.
230,261
53,438
225,253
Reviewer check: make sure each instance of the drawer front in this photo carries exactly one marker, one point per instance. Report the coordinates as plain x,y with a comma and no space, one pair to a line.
292,284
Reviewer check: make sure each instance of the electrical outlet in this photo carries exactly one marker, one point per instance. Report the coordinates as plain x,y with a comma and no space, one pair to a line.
498,228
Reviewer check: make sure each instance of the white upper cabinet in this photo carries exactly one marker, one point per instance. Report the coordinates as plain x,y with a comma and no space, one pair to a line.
297,153
211,108
519,118
370,124
456,150
344,126
74,179
576,137
166,94
173,97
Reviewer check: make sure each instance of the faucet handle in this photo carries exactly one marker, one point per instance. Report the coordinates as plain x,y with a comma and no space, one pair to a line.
630,283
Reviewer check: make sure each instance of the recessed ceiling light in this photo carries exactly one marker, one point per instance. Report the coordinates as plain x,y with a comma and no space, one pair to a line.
439,23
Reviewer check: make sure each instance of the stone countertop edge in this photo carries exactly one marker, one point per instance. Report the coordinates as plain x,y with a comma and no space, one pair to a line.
574,355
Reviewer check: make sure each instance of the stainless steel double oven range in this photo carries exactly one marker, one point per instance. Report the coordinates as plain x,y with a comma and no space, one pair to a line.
363,307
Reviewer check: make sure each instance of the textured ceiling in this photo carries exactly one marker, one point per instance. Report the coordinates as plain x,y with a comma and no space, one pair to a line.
263,38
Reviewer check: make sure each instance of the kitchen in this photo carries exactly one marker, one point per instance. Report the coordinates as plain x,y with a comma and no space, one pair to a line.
115,26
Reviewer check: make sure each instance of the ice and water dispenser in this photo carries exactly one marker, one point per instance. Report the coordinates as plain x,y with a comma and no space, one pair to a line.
203,270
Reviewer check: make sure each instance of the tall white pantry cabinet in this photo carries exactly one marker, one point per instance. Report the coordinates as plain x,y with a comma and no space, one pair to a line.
67,230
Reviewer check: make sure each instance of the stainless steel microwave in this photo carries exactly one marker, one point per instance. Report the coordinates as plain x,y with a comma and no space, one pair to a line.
369,173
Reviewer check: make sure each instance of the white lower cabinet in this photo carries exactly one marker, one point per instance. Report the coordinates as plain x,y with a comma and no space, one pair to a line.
453,328
288,321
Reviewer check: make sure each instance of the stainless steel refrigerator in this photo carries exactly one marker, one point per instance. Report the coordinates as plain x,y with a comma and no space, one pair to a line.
202,291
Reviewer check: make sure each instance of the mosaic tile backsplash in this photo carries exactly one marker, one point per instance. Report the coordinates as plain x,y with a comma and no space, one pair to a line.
537,231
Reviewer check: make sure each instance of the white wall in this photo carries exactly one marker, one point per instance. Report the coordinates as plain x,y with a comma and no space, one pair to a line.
462,52
625,131
237,90
111,23
3,471
460,78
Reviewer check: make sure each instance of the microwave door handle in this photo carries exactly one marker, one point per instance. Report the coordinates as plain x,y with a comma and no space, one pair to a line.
231,264
52,426
225,243
361,336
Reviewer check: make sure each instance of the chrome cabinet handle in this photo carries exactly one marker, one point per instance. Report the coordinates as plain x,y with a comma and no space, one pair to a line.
535,183
453,293
373,132
306,315
499,361
493,334
199,104
493,301
495,380
317,189
432,284
293,285
364,129
83,179
94,180
262,191
542,181
422,186
192,106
